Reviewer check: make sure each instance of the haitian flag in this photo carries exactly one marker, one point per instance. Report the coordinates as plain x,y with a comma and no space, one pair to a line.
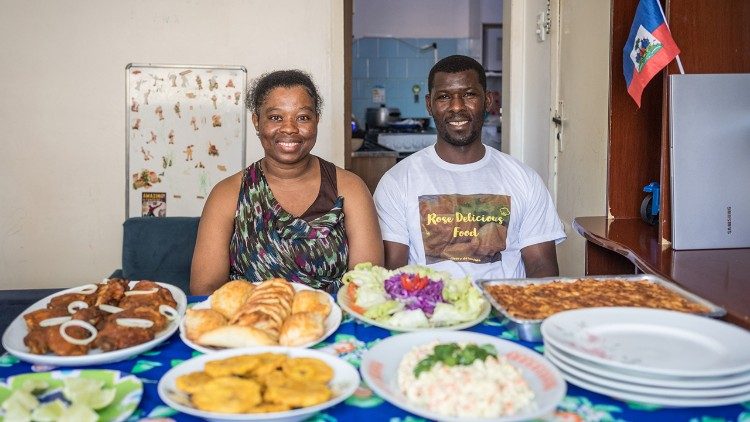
649,48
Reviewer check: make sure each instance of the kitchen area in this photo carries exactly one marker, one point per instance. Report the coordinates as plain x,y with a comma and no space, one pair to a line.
394,46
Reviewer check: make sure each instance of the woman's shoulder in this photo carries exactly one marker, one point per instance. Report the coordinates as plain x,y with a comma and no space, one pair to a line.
349,183
228,189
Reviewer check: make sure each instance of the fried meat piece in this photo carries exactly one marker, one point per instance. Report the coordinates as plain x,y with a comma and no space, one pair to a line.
114,337
111,292
63,301
33,319
93,316
36,340
142,312
161,296
61,347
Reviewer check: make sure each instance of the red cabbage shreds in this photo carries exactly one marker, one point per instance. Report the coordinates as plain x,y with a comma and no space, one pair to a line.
424,299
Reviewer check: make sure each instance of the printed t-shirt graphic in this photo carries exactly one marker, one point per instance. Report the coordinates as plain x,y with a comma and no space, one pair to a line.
464,228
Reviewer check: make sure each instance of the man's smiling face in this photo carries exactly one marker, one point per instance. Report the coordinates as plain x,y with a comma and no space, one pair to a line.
457,103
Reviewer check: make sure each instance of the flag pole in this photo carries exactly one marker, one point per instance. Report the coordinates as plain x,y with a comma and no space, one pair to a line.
677,57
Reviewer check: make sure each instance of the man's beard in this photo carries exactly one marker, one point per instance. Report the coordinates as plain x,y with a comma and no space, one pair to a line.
459,141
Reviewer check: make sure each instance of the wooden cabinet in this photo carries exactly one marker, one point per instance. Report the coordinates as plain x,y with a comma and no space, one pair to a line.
371,166
713,37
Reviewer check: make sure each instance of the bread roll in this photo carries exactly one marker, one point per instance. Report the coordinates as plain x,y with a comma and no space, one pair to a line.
311,301
236,336
301,328
199,321
228,298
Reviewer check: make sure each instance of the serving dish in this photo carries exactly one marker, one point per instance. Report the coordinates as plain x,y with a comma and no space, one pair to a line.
676,392
380,365
654,399
529,329
129,389
650,341
606,373
345,303
331,323
17,330
345,381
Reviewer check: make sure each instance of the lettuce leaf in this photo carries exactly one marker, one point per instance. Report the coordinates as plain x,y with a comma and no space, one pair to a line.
384,310
409,319
369,280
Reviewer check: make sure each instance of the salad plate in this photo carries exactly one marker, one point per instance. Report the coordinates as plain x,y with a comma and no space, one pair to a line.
381,364
331,323
17,331
128,389
411,298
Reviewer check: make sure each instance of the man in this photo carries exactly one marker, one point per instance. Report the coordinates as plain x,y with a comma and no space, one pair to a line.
459,206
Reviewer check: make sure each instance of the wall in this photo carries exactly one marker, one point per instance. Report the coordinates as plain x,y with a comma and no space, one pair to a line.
62,167
388,36
396,64
584,84
413,18
526,86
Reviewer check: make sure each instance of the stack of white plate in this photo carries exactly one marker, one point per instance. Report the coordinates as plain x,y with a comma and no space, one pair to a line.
651,356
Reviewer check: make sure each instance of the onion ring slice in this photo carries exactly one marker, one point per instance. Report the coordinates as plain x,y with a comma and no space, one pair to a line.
109,308
87,289
49,322
169,312
135,322
76,305
83,324
141,292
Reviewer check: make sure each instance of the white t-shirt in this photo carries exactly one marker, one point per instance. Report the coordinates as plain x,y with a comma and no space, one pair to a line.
466,218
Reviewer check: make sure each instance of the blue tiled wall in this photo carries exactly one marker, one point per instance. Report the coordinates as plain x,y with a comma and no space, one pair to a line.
396,65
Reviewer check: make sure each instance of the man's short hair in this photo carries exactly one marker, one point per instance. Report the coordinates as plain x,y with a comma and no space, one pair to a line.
454,64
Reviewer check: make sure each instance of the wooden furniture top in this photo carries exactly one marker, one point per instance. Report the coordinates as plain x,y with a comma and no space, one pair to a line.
721,276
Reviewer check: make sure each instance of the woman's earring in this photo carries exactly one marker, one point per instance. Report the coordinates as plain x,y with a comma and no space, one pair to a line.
257,134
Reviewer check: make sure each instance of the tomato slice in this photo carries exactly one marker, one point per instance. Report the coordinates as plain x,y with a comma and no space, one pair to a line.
412,283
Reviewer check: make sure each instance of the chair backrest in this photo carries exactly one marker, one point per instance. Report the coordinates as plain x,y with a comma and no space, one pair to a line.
159,249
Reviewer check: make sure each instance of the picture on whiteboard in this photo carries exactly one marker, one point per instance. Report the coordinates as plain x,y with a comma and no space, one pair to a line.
154,204
186,131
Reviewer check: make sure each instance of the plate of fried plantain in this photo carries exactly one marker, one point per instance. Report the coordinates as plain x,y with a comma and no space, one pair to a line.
272,383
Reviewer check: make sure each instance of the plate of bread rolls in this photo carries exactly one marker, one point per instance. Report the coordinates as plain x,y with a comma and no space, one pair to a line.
270,313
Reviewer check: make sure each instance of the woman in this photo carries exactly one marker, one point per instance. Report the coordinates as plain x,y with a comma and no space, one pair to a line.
283,216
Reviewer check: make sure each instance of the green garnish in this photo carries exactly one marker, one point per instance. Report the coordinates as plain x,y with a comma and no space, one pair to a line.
451,354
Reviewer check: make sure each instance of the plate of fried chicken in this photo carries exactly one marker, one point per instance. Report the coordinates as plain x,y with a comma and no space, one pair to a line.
96,324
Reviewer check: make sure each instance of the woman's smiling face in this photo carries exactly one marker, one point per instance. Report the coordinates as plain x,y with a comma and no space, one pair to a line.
287,124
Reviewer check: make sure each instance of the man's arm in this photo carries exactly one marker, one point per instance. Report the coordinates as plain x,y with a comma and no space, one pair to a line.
396,254
540,260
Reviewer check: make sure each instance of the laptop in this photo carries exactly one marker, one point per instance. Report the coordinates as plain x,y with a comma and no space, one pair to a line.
710,160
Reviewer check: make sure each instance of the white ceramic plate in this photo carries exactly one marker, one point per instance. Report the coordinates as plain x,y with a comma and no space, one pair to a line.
653,341
17,330
659,400
604,372
345,382
380,364
644,389
332,322
343,300
128,388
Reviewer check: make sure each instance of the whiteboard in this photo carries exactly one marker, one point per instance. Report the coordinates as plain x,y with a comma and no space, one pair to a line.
186,132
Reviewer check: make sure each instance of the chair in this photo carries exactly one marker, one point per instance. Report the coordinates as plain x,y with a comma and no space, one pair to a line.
159,249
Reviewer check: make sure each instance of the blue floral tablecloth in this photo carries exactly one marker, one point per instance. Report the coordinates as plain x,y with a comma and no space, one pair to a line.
349,342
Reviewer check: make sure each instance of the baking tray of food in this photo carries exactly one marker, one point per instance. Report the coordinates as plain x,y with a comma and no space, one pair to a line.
525,302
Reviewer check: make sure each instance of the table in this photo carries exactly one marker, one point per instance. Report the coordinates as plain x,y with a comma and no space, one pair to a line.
629,246
349,342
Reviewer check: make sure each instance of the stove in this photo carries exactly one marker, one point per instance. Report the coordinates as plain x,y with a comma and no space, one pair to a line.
403,141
